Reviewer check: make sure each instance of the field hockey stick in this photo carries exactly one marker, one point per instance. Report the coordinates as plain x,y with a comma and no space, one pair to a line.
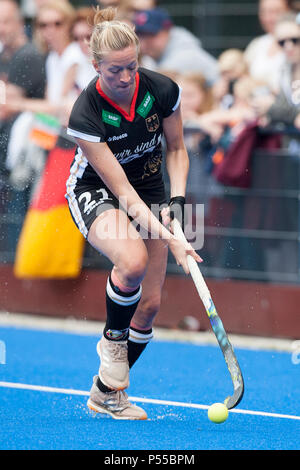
216,323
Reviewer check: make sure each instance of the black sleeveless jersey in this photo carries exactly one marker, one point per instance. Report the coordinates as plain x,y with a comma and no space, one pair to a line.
135,139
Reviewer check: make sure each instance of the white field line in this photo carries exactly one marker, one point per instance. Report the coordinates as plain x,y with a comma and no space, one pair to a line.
67,391
84,327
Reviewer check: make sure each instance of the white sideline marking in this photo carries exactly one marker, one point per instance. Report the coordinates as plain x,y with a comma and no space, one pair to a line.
67,391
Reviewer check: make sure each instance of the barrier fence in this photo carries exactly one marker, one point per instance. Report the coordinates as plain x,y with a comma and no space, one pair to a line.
253,233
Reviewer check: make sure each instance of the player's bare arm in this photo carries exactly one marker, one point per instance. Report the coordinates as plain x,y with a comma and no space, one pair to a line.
177,159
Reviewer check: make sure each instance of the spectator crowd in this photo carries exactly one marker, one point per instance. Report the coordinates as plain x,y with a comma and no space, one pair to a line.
44,66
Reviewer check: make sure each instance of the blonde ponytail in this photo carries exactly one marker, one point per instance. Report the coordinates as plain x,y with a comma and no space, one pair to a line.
110,34
108,14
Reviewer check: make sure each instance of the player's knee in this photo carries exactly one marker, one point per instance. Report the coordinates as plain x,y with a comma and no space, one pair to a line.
134,268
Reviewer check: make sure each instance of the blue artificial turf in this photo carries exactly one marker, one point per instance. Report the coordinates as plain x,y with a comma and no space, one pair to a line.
169,371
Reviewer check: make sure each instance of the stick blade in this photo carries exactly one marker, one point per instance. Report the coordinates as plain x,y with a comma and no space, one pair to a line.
234,370
234,400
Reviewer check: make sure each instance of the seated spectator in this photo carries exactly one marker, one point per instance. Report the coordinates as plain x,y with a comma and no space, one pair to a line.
229,123
46,130
232,66
196,96
68,70
40,120
234,134
170,47
22,69
196,99
285,109
263,55
79,75
81,32
54,23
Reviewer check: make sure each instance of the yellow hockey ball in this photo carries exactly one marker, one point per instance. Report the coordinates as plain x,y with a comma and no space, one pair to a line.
218,413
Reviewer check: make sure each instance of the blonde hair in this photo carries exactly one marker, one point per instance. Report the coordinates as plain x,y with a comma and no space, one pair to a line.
110,34
245,87
200,82
64,8
233,60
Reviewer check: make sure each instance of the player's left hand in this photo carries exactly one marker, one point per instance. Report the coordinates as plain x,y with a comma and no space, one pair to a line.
180,250
175,209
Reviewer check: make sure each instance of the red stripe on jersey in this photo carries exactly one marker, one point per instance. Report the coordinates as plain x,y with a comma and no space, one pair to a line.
131,115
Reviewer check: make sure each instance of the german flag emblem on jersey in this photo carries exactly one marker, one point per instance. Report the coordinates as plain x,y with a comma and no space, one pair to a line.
152,123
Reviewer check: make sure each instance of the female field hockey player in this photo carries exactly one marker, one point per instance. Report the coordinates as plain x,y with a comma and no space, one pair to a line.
118,122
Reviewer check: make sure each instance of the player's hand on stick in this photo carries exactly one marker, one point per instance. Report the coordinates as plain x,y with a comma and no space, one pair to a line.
180,251
174,209
179,248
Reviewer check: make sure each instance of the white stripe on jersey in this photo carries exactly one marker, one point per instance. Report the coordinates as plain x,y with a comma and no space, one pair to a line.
81,135
178,99
76,171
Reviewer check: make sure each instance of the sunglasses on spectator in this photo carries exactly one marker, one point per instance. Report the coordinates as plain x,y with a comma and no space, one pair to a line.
56,24
282,42
83,37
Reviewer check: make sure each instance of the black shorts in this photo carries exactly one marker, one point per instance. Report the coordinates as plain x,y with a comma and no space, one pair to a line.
87,202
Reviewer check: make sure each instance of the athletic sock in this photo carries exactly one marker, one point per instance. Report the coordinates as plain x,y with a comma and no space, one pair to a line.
103,387
120,307
137,342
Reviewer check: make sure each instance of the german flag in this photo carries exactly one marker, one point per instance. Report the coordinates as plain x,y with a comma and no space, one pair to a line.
50,245
45,130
